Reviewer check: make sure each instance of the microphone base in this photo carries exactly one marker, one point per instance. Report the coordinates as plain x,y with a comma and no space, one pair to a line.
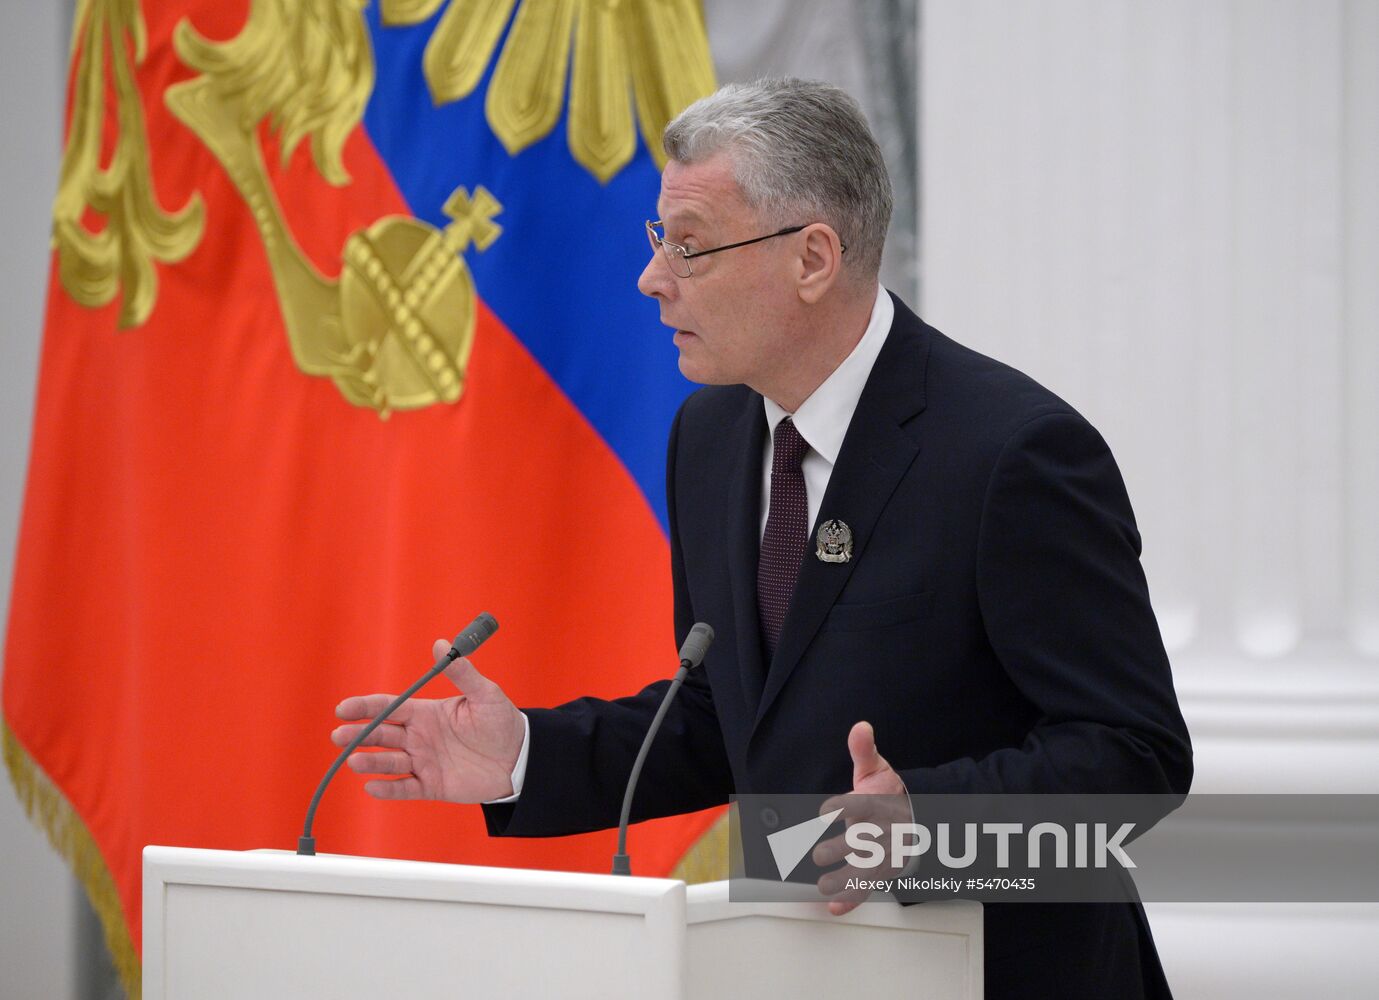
622,864
306,845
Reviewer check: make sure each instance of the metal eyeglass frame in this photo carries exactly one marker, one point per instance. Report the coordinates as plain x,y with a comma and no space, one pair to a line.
686,255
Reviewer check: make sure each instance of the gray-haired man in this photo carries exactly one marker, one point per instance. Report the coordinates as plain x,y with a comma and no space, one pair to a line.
980,613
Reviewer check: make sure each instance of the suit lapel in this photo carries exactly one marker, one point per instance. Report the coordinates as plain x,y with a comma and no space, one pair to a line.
875,455
743,530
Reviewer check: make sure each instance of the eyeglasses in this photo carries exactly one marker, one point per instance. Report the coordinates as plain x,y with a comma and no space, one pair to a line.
679,257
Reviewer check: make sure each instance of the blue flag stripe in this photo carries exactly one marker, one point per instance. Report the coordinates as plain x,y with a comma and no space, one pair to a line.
562,276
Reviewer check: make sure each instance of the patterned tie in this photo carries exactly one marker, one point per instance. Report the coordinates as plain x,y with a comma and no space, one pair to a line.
787,532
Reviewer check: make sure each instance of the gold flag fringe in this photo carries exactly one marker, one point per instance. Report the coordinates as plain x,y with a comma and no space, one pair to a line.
709,858
49,809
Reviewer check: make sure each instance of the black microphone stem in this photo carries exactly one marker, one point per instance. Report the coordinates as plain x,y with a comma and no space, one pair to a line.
471,638
622,864
306,843
692,653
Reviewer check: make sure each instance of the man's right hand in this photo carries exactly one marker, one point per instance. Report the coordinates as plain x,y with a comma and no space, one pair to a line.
459,749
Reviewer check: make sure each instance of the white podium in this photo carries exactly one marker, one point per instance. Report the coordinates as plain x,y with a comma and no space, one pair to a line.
271,924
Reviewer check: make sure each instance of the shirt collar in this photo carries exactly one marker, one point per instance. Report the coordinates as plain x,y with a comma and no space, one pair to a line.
823,418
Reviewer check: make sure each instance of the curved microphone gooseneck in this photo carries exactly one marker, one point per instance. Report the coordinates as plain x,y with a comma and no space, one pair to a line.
692,653
471,637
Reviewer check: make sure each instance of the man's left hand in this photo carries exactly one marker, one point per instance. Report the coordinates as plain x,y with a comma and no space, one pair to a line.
878,796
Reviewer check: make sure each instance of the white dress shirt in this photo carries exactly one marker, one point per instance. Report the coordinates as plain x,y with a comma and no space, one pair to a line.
822,421
823,418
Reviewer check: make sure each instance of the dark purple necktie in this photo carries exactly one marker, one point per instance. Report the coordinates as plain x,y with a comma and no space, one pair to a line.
787,531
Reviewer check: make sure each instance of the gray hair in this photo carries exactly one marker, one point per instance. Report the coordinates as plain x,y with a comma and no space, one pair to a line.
801,152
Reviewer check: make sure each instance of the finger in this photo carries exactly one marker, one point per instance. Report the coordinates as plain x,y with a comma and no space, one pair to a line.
855,805
830,851
386,735
382,762
883,808
439,648
834,885
476,687
368,706
397,788
862,746
839,907
836,802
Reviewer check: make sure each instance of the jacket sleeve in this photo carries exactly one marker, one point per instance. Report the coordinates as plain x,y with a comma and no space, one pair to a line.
581,753
1066,608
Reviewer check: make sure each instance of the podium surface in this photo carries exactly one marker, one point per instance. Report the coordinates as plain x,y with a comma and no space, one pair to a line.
272,924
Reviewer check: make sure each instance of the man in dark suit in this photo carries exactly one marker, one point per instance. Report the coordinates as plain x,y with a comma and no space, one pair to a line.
899,542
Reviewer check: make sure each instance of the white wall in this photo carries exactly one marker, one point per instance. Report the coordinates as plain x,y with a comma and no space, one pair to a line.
38,901
1167,213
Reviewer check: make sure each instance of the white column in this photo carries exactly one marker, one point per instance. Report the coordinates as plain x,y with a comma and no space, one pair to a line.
1360,170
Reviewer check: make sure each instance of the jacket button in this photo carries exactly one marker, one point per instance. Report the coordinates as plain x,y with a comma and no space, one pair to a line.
769,818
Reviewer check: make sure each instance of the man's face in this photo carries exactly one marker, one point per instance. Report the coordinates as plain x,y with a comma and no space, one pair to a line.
731,317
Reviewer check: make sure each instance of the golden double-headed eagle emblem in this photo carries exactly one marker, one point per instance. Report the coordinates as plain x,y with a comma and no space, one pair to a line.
395,330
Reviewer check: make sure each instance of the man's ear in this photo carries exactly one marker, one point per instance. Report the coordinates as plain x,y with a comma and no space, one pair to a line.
820,265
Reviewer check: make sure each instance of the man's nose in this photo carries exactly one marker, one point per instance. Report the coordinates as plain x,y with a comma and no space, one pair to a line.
656,280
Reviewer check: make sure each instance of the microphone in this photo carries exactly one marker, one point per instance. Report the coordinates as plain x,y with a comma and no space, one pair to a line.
471,637
692,653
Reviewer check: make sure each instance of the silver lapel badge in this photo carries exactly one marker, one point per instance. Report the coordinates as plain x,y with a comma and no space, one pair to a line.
835,542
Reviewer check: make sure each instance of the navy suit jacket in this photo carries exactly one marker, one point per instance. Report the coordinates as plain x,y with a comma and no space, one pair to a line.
993,625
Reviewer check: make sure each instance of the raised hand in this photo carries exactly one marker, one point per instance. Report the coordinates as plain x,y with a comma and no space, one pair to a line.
878,796
459,749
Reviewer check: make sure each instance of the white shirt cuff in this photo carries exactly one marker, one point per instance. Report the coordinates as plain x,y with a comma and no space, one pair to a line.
519,770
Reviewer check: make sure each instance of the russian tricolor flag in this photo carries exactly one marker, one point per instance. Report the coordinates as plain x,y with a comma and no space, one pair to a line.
300,414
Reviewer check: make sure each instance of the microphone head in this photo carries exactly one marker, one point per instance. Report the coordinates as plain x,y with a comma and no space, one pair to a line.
696,645
473,635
